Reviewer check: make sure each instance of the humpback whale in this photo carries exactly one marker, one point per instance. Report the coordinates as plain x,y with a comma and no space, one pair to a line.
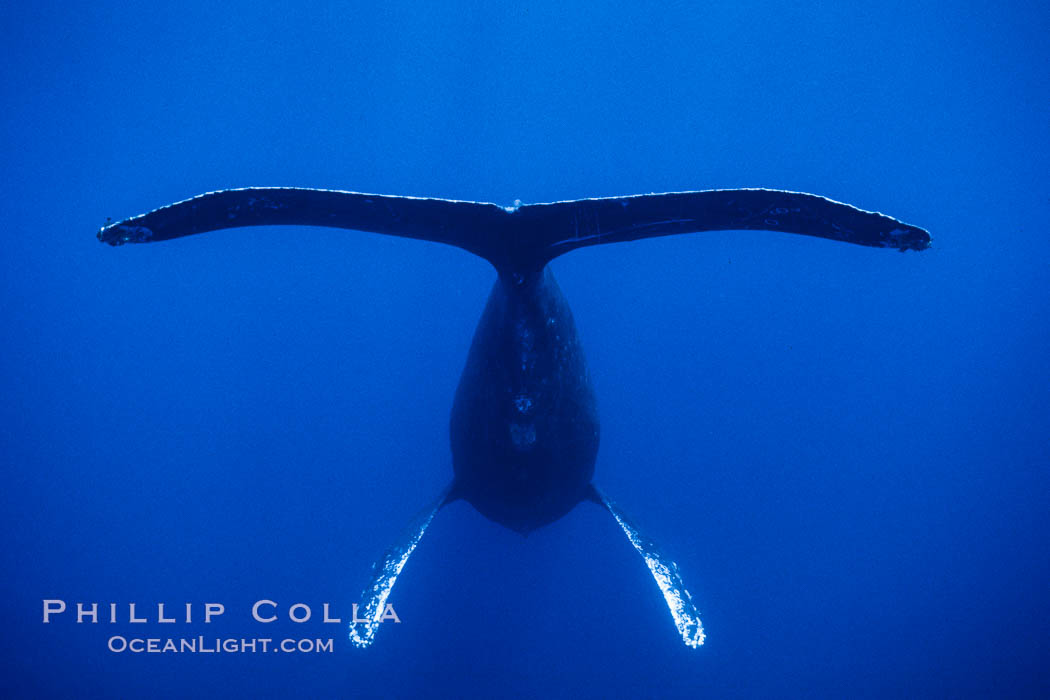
524,427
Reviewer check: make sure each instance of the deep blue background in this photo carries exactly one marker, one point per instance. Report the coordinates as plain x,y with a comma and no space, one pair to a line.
845,449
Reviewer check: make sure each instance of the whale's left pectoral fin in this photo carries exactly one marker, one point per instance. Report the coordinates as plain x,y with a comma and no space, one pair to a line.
369,614
664,571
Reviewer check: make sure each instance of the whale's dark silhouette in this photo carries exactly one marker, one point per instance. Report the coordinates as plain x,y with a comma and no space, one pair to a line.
524,428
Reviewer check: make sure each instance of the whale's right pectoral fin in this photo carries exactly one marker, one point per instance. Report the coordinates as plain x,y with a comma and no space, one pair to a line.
665,573
369,614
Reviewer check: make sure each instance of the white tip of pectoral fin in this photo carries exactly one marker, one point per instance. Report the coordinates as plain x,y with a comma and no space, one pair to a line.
373,606
665,573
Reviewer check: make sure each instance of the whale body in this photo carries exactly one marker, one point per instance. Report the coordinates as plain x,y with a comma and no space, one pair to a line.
524,428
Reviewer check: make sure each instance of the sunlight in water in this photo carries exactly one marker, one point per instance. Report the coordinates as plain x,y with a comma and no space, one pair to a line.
385,573
665,571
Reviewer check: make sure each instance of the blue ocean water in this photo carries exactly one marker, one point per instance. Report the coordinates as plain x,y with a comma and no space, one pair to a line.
845,449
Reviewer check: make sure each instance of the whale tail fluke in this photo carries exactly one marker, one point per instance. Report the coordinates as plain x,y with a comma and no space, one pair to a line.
526,236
